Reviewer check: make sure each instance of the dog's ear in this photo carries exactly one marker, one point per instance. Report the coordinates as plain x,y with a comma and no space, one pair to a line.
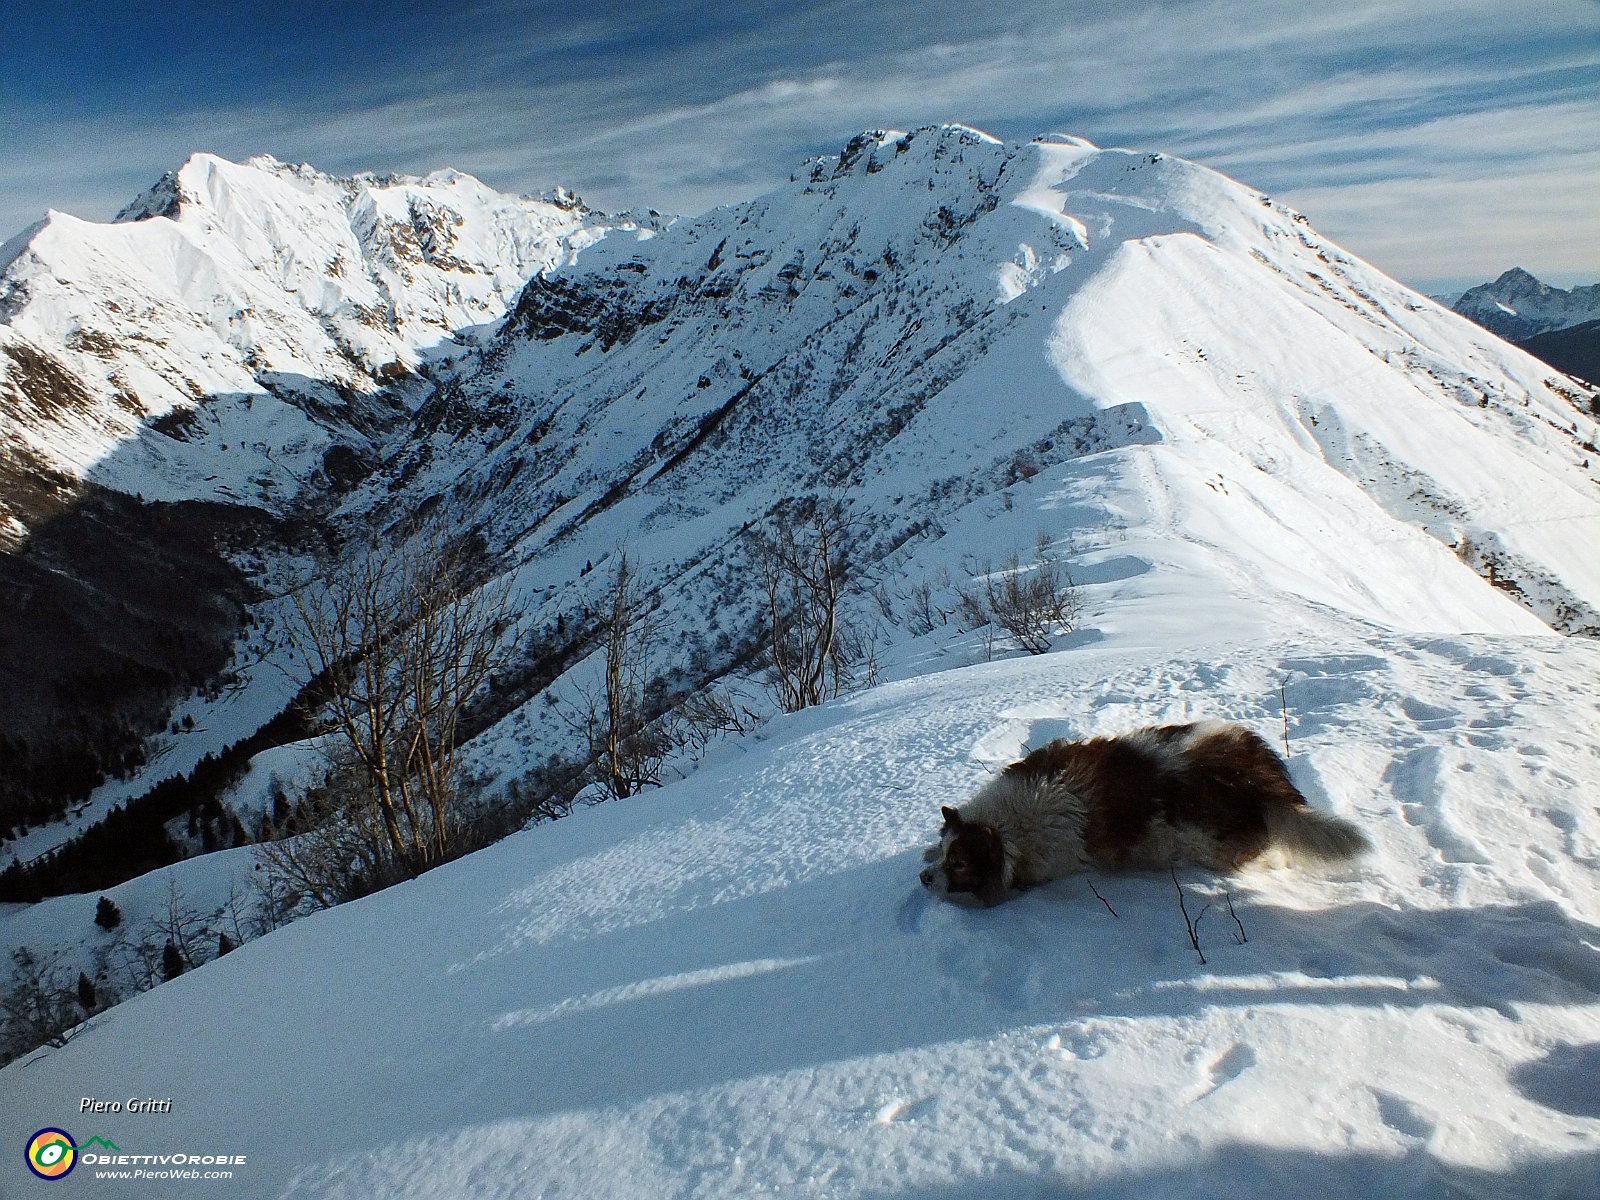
952,819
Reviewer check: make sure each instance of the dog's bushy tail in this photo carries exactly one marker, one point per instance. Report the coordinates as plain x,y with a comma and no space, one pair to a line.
1313,836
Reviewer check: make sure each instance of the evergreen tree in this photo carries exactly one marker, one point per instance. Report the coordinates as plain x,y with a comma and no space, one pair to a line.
86,995
171,962
106,914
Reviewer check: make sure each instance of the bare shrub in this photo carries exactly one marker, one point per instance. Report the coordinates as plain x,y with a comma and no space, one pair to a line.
1033,603
40,1006
924,614
708,714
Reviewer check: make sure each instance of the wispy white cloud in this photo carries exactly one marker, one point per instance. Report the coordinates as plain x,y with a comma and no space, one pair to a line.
1375,115
1462,198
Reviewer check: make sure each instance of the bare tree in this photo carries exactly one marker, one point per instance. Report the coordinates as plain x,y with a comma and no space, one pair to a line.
627,746
179,925
336,847
39,1006
802,565
397,639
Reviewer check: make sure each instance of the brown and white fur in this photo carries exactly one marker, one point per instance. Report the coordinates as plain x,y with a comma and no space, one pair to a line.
1211,794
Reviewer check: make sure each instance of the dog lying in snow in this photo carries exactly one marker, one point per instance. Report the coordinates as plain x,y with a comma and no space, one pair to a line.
1211,794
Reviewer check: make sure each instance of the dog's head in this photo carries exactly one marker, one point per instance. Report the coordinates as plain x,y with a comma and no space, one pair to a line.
970,859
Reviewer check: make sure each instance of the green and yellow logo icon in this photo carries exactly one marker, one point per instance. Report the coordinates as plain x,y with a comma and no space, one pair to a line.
51,1154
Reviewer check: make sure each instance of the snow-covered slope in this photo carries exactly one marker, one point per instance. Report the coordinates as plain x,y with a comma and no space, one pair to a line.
735,986
239,320
1517,305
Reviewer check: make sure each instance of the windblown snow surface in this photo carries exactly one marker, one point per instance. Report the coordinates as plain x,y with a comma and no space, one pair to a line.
734,985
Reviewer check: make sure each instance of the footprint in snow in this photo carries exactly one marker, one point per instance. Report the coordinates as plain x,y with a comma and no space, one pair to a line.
1569,961
1429,716
1077,1042
1542,866
1404,1117
1417,783
1225,1069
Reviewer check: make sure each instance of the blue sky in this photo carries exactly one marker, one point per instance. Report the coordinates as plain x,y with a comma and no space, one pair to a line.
1444,140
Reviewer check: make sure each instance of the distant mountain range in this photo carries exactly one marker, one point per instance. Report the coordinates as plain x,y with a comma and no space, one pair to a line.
1561,327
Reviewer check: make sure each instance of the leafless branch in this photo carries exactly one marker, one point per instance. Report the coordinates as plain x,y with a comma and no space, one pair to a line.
1193,926
1241,936
1102,900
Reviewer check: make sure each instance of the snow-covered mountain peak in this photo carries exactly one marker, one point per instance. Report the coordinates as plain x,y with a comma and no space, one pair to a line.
284,309
1518,305
1058,138
931,304
1520,280
916,151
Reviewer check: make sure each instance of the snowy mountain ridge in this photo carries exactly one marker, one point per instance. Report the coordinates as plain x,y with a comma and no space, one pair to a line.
254,316
919,311
1292,493
1518,306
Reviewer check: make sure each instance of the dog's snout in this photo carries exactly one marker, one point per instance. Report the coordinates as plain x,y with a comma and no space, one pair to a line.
927,876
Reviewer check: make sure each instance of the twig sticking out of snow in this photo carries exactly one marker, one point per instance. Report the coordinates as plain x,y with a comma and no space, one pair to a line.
1193,926
1240,937
1102,900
